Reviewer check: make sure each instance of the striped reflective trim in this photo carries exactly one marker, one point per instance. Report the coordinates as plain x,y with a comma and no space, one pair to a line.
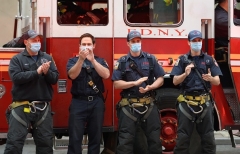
235,62
3,68
7,55
235,69
4,62
234,56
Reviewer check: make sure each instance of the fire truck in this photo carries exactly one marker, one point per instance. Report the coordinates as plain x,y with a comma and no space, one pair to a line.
164,25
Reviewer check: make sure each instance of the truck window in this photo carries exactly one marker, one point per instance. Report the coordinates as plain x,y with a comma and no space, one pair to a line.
91,12
237,15
152,12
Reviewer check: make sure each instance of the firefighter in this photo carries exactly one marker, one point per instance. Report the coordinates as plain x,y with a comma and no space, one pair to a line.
195,72
221,39
33,73
221,23
134,73
87,106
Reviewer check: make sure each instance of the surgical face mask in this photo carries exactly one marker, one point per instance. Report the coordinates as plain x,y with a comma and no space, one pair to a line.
82,48
35,47
135,47
196,46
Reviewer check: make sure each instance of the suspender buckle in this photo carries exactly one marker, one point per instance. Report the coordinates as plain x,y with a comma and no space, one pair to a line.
93,86
95,89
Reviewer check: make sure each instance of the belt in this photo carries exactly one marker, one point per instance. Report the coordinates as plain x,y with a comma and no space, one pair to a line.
87,98
32,104
136,101
197,98
193,100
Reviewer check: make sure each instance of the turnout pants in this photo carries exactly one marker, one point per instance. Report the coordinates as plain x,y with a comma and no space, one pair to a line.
205,130
127,131
17,132
90,114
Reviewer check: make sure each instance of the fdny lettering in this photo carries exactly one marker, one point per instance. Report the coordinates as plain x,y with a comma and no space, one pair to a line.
161,32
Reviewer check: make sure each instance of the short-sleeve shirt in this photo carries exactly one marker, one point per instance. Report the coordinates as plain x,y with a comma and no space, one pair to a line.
143,66
193,82
80,85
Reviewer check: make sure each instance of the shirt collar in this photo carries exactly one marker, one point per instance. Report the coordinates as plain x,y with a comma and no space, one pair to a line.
189,54
142,54
25,52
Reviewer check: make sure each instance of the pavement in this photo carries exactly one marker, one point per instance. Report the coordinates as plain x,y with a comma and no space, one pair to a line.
222,141
223,138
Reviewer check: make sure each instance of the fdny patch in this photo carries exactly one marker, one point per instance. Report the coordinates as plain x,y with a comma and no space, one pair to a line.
116,65
44,60
207,61
176,63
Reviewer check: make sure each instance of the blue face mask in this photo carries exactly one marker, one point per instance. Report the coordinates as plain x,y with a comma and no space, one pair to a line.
135,47
196,46
35,47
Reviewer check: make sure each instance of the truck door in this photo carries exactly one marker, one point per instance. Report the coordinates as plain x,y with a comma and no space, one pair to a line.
234,52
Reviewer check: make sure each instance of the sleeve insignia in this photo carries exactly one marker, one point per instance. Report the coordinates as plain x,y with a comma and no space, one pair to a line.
54,62
106,63
176,63
215,62
116,66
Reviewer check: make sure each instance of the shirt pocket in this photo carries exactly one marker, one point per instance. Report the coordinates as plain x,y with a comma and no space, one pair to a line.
26,67
145,70
203,69
130,75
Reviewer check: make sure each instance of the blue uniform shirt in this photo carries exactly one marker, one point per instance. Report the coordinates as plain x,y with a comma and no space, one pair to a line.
80,85
192,82
143,65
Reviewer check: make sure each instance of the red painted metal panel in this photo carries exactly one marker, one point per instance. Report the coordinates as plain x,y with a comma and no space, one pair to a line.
6,82
222,106
235,49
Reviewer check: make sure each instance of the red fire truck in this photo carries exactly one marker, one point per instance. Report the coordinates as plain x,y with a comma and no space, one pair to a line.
164,25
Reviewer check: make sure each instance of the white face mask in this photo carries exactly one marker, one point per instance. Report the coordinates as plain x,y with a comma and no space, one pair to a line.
82,48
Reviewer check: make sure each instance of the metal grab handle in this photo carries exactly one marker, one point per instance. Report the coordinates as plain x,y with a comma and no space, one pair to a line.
137,104
201,109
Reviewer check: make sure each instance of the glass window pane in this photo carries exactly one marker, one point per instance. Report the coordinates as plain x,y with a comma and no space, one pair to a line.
73,12
152,12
